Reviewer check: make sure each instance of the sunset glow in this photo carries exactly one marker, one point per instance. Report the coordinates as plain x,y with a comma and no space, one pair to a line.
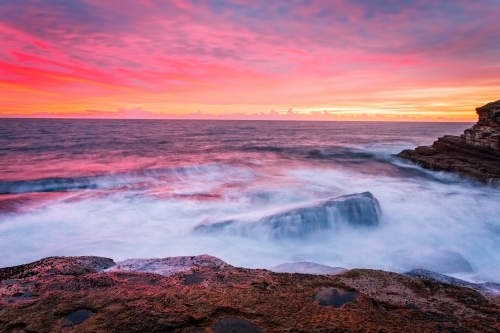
235,59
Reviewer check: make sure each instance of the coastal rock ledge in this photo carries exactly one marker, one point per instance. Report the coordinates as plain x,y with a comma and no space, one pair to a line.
474,154
204,294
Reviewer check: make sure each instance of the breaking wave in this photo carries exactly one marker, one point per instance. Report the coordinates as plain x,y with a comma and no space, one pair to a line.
116,180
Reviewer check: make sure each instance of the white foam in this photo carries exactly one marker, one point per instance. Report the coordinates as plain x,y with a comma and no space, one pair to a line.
420,215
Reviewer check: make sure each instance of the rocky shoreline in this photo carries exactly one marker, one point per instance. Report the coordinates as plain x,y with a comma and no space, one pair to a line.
474,154
205,294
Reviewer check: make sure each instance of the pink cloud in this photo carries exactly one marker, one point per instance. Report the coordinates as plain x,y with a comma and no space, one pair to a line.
185,54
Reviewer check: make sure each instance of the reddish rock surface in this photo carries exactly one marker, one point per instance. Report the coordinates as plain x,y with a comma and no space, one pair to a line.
204,294
474,154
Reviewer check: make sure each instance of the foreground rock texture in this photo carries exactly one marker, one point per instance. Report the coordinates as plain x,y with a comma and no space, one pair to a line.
205,294
474,154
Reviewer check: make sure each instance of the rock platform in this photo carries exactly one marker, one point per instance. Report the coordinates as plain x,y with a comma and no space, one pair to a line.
205,294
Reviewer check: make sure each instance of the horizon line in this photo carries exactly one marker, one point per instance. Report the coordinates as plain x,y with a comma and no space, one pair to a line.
344,119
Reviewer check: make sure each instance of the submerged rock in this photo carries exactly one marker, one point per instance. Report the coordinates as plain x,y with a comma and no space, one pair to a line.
488,288
436,261
357,210
474,154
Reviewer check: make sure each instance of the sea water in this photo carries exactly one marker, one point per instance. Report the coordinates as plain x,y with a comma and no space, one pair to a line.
151,188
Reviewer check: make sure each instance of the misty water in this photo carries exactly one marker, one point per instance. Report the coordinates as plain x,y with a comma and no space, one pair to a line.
253,193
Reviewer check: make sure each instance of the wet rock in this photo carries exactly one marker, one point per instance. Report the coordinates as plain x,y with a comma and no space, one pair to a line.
355,210
491,287
78,317
305,267
487,288
327,296
444,262
474,154
235,325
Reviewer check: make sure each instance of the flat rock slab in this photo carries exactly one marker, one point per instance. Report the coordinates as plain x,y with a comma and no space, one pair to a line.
235,325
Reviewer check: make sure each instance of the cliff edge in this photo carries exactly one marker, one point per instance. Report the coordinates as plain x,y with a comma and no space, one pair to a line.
474,154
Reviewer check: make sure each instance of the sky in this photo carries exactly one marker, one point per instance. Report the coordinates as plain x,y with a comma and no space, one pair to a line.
233,59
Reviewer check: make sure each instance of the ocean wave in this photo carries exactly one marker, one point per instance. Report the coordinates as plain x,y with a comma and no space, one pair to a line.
345,153
111,181
274,149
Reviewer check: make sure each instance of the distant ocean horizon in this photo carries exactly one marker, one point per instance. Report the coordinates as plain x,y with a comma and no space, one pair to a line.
126,188
272,115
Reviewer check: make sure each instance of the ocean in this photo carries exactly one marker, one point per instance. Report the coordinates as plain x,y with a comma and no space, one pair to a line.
253,193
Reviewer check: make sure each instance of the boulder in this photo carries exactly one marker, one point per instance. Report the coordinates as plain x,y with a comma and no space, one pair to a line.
355,210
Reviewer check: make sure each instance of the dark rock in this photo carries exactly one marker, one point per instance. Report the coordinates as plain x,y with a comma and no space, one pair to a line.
357,210
327,296
78,317
412,306
235,325
474,154
486,133
192,279
18,328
